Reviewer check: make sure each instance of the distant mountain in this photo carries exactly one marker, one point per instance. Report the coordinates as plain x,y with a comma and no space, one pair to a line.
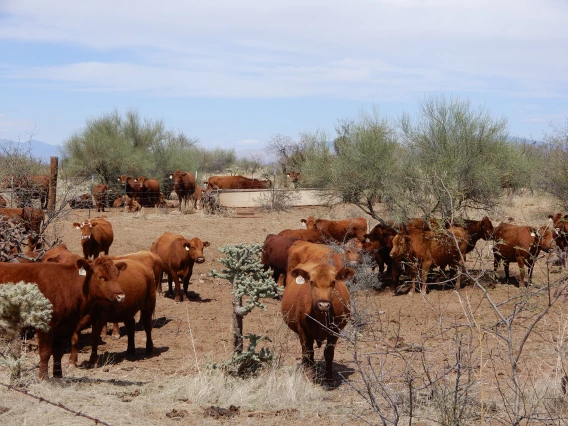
37,149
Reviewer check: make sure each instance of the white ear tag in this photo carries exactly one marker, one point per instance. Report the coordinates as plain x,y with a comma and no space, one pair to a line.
77,227
300,280
82,272
304,226
533,234
187,248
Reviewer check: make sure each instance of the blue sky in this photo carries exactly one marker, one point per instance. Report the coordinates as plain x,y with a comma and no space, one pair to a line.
234,74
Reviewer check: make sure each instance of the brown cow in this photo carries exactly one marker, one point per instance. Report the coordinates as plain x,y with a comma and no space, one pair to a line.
130,185
316,302
236,182
83,201
560,224
275,254
338,230
521,244
72,289
100,195
139,286
184,187
198,197
295,177
424,249
149,192
311,235
96,236
381,237
178,255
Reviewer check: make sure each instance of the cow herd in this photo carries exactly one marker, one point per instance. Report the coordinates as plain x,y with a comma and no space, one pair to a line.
312,263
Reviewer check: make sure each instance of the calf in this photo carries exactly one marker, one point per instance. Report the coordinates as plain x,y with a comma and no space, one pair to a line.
96,236
178,255
338,230
72,289
100,195
316,302
423,249
521,244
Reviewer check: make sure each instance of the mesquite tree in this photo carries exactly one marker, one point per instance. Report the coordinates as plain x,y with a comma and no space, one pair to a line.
21,305
244,271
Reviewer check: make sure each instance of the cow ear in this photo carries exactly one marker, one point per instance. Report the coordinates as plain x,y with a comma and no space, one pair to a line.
55,259
304,223
76,225
345,274
83,264
300,276
206,244
121,266
293,261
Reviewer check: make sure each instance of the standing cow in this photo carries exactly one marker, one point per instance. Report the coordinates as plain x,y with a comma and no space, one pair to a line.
100,195
184,187
521,244
178,255
96,236
149,192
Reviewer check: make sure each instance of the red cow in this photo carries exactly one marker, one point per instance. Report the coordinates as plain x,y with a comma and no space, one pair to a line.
100,195
72,289
295,177
338,230
423,249
139,286
275,254
149,192
83,201
236,182
311,235
198,197
521,244
178,255
184,187
381,236
316,302
96,236
130,186
560,224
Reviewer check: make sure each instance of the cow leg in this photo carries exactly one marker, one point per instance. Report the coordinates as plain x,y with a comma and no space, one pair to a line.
530,264
178,295
186,278
146,319
57,355
506,269
95,333
307,350
425,269
74,355
170,279
45,349
328,354
130,329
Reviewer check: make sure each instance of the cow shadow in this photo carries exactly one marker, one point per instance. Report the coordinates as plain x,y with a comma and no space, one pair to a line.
91,380
341,374
190,295
117,358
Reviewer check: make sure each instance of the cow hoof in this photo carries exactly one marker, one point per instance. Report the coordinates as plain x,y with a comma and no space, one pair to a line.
87,365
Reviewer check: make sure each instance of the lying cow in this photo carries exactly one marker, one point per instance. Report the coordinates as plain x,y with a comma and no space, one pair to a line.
338,230
521,244
316,302
96,236
72,289
178,255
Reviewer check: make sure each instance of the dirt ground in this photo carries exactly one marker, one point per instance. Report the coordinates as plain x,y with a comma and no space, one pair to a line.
189,334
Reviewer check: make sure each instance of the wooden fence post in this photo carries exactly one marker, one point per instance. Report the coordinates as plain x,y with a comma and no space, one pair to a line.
52,183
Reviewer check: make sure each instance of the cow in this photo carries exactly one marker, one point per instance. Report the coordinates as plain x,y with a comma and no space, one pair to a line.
164,203
236,182
311,235
149,191
295,178
72,289
338,230
96,236
120,201
425,249
184,187
138,284
477,230
178,255
316,301
521,244
27,188
100,195
381,237
198,197
130,185
275,254
83,201
560,224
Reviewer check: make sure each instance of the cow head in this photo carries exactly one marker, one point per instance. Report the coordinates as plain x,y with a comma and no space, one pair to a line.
194,249
101,279
322,279
309,223
400,245
544,238
352,251
487,228
85,227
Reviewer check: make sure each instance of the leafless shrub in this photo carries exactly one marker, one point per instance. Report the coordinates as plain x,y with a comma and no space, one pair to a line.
277,200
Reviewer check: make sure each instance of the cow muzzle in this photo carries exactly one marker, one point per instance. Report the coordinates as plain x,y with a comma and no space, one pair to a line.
85,237
119,298
200,259
323,306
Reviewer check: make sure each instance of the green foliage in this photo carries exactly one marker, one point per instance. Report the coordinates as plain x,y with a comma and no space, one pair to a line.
246,363
245,273
21,305
217,160
461,156
554,164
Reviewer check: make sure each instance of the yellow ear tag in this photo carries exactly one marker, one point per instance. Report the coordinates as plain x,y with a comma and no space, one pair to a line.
300,280
82,272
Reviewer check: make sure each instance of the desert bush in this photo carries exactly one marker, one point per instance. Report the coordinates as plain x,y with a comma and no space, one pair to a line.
277,200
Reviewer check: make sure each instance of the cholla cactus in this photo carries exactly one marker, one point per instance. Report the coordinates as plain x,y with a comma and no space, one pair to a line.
245,272
21,305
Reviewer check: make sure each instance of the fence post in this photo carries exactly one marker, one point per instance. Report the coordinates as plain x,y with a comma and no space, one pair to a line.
11,190
52,195
91,204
